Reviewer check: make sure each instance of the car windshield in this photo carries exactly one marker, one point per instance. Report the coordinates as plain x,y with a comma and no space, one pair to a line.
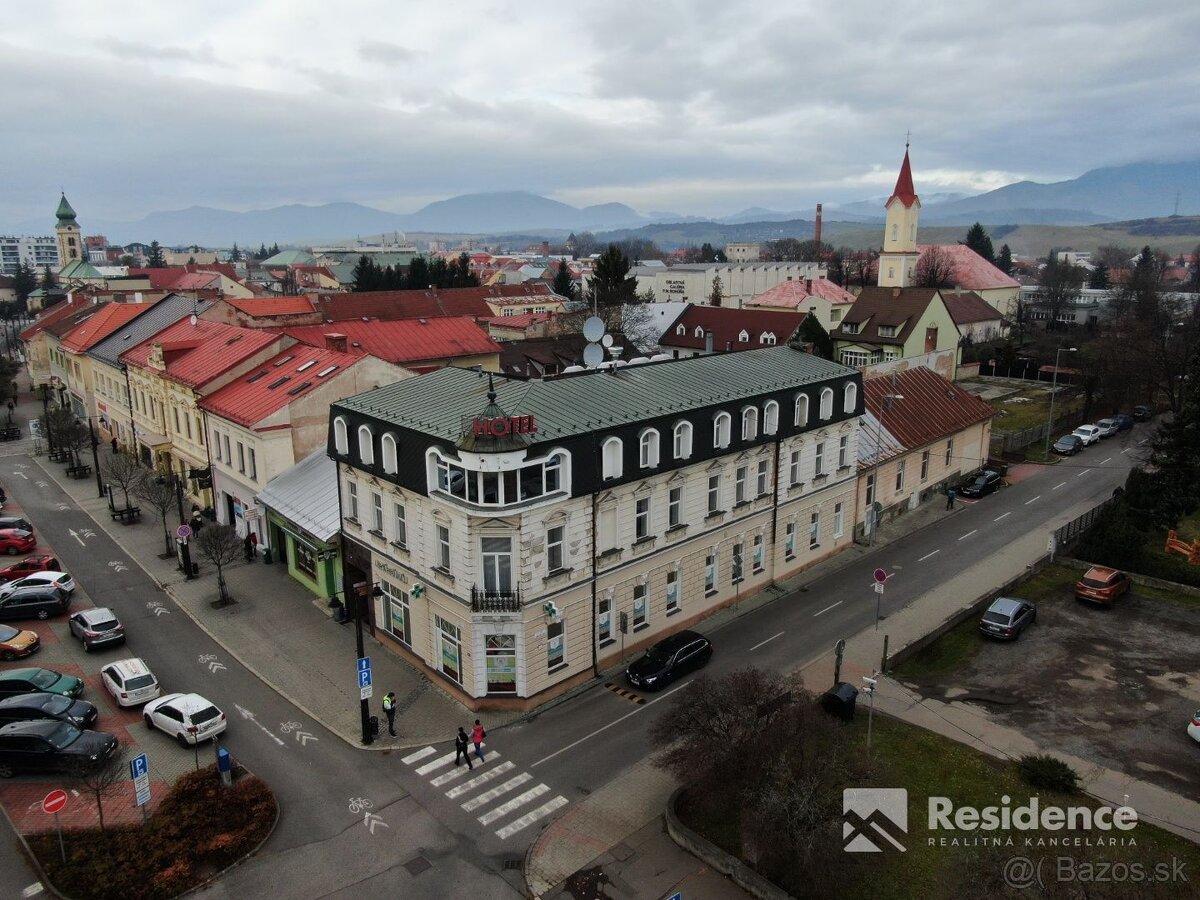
57,704
204,715
658,654
996,617
63,736
981,480
1094,583
7,632
139,681
43,678
105,625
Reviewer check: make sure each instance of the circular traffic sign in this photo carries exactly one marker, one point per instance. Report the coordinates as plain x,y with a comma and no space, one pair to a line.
54,801
183,532
880,576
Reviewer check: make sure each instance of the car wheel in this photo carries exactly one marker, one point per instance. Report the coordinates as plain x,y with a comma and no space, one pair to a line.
183,742
43,614
12,551
87,648
8,656
6,771
149,722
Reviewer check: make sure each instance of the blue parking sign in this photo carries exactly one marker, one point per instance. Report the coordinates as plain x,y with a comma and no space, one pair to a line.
364,678
139,766
364,664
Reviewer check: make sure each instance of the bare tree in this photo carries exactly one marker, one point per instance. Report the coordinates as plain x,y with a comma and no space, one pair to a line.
221,546
123,470
935,269
1114,256
101,780
159,494
67,432
1061,284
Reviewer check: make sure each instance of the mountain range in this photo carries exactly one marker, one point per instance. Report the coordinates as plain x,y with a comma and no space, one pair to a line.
1138,190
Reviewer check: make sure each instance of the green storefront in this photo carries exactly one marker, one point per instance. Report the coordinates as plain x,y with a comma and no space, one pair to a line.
303,525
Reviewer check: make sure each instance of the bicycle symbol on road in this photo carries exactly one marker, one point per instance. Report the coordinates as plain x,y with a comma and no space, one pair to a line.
288,727
359,804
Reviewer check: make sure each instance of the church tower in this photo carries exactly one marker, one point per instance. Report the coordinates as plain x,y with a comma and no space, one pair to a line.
898,261
70,240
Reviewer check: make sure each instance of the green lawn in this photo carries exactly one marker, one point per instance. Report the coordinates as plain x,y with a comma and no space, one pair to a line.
1012,416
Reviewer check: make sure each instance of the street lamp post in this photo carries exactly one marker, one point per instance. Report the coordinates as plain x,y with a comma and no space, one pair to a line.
45,389
96,458
359,601
1053,393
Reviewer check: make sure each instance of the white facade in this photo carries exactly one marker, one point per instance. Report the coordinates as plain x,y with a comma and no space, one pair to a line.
693,282
38,252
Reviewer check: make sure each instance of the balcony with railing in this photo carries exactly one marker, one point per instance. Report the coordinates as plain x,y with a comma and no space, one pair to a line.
483,601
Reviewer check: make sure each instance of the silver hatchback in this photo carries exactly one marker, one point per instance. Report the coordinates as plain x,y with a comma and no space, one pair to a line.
1007,617
98,627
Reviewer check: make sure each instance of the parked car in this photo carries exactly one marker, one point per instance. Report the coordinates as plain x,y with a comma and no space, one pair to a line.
15,541
15,643
189,718
51,747
34,603
1101,584
28,707
130,681
1007,617
60,580
1124,422
1194,726
97,627
1108,426
16,522
1142,413
1089,434
27,566
1068,445
670,658
31,681
986,482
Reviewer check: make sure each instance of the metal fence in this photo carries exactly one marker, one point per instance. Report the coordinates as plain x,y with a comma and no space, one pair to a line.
1068,534
1006,441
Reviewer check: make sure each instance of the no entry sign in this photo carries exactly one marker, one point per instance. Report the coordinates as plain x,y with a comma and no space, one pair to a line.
54,801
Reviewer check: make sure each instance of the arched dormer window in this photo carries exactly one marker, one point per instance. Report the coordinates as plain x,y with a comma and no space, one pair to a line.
341,440
610,458
681,329
721,427
800,418
770,417
743,336
390,455
850,398
767,338
648,449
366,445
699,332
749,423
682,443
827,403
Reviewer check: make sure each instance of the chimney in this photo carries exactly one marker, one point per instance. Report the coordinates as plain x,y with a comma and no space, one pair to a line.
335,340
817,226
137,296
545,248
708,342
808,285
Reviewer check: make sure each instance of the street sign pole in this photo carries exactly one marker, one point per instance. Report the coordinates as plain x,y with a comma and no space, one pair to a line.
365,690
881,578
62,849
53,802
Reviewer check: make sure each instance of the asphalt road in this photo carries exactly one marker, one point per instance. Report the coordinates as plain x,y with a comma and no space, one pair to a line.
324,848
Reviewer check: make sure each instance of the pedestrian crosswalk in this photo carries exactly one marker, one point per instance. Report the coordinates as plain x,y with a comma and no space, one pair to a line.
497,784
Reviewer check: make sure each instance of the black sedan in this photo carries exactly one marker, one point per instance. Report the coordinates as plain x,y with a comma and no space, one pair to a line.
30,707
670,658
986,482
51,747
1067,445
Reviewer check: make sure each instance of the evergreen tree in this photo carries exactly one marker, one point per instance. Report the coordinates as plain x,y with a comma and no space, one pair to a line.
262,253
24,283
564,285
235,255
812,332
418,274
191,261
274,251
1099,277
1175,457
707,255
612,286
437,272
1004,261
717,294
156,260
366,275
1144,284
49,282
979,241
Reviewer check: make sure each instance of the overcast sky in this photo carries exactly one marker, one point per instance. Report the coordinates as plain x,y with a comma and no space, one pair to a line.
695,107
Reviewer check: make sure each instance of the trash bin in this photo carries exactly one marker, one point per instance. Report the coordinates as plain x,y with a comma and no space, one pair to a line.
267,555
839,700
373,722
195,569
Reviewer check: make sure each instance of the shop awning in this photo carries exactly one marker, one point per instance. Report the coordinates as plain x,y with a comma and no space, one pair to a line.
306,495
150,439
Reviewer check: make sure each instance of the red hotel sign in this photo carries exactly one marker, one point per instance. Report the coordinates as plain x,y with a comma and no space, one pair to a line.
502,426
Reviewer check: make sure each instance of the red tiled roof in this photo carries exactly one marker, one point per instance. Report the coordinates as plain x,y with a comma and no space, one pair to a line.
791,294
522,321
967,306
404,341
904,191
273,306
194,281
727,326
161,278
196,354
932,409
108,318
297,371
971,271
390,305
49,316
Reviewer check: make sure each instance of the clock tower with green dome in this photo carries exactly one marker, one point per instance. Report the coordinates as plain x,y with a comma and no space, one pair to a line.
70,240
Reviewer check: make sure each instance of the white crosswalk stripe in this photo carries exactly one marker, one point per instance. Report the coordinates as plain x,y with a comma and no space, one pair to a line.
479,792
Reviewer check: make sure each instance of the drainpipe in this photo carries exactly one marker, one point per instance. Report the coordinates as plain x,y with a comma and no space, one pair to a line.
775,498
592,563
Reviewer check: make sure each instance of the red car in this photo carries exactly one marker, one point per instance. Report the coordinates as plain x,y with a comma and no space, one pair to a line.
27,566
14,541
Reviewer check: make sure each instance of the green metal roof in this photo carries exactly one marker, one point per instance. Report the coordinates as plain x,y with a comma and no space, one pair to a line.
79,268
437,403
65,213
289,258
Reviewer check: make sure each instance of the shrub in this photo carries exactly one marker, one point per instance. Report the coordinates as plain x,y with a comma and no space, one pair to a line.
1048,773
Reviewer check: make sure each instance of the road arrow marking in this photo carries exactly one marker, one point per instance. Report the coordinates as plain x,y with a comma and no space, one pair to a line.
157,608
63,507
370,819
212,662
117,566
304,737
71,531
43,484
246,714
22,474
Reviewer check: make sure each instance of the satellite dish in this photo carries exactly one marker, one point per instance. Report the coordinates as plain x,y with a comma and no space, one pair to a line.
593,328
593,355
606,340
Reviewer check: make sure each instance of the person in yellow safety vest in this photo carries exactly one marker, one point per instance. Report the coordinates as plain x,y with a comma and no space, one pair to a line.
389,710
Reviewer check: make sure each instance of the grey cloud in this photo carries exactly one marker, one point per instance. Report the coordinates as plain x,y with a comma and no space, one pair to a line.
202,53
385,52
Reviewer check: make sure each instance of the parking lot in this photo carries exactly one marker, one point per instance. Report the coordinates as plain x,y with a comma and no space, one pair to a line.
60,651
1113,685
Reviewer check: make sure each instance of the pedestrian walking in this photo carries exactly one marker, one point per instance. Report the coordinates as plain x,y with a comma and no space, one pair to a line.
950,495
389,710
114,444
248,547
477,735
462,747
253,545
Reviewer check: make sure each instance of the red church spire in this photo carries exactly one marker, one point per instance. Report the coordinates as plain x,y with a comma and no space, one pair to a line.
904,184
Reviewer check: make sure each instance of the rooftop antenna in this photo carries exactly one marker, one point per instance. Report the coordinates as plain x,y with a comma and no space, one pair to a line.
907,138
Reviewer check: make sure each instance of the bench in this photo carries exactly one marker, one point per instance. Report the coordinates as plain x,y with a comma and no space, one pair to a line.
60,456
127,515
80,471
10,433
